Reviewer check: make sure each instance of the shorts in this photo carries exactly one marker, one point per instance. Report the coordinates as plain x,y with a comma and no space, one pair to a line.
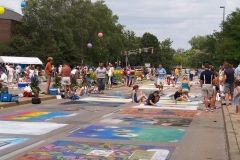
159,82
207,90
66,81
228,88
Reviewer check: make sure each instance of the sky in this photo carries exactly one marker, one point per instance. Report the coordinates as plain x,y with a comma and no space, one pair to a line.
178,20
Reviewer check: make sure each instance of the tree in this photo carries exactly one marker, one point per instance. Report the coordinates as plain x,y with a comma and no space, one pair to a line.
62,29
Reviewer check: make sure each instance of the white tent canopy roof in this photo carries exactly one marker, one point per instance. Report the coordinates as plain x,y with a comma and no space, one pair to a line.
20,60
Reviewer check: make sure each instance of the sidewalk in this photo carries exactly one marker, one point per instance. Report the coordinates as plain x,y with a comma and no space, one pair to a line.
232,122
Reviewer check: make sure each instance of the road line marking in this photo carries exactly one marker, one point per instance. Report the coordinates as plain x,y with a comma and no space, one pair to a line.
107,115
75,130
12,154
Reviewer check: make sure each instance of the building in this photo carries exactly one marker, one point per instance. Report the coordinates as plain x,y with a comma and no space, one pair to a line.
7,22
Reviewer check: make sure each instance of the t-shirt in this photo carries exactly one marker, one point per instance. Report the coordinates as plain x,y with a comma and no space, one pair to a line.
207,77
237,73
4,78
101,72
48,68
161,72
18,69
152,98
177,95
229,75
11,71
110,71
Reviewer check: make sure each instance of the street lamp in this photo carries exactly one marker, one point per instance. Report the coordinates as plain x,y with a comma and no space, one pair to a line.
223,7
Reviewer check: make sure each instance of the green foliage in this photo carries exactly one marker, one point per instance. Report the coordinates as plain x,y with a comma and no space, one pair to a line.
63,28
57,82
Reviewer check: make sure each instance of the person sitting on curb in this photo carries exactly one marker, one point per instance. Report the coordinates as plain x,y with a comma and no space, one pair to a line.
153,98
180,96
137,95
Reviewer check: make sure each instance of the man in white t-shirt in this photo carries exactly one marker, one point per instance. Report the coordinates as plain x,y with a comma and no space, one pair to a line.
110,72
101,73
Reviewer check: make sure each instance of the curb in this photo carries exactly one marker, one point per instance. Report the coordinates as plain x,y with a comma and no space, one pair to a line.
231,139
28,101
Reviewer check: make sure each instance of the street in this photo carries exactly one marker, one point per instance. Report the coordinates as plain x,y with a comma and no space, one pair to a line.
110,126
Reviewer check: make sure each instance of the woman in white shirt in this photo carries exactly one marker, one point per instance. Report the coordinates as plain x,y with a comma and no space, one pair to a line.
110,72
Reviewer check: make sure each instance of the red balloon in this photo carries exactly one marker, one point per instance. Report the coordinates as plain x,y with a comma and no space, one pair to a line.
100,34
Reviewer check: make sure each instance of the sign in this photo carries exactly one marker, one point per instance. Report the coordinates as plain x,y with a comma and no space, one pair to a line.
148,65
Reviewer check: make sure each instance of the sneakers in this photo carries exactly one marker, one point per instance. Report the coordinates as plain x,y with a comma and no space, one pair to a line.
207,110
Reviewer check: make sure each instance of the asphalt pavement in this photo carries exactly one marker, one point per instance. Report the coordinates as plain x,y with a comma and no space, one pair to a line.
110,126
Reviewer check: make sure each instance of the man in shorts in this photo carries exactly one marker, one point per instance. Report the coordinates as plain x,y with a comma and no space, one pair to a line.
160,77
229,82
206,81
66,78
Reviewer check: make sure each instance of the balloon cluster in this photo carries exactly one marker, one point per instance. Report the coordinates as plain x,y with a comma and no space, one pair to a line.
100,35
2,10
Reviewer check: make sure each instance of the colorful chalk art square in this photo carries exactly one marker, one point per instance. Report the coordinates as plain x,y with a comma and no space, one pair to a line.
161,112
34,116
157,121
131,133
68,150
6,142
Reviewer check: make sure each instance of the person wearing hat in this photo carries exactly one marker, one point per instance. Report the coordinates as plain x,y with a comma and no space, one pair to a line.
48,72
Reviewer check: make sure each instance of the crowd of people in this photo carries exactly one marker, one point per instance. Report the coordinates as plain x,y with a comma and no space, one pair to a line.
91,79
223,83
216,84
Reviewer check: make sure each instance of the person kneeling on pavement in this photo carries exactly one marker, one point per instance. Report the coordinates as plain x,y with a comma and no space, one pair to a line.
153,98
137,95
180,96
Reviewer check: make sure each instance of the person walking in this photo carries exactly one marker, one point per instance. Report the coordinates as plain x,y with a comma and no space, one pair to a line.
101,73
160,77
221,81
206,81
228,82
48,72
110,72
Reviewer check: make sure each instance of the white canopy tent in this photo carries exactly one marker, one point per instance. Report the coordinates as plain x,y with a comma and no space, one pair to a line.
20,60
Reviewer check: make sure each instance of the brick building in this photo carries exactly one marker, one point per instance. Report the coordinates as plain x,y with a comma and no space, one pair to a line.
7,21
